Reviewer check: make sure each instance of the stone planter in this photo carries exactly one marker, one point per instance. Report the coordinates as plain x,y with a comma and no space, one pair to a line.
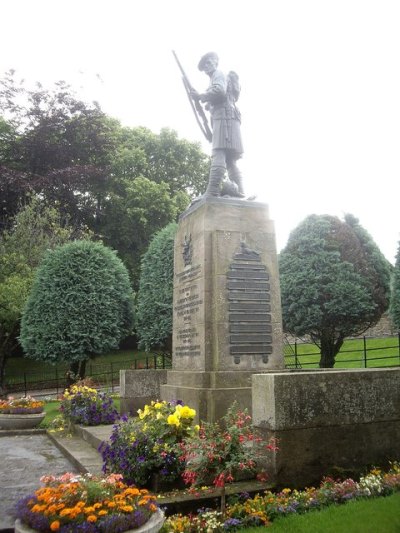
152,526
27,421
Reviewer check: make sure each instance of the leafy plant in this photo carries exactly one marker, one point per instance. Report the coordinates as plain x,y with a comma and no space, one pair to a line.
86,406
147,446
219,451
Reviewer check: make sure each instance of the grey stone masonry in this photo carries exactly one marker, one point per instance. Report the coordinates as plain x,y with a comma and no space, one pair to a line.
327,420
227,321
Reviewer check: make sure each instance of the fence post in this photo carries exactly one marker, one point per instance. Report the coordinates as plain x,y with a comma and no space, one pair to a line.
365,352
296,361
398,342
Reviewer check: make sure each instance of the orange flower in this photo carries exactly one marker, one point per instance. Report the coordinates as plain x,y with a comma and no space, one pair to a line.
127,508
132,492
92,518
55,526
102,512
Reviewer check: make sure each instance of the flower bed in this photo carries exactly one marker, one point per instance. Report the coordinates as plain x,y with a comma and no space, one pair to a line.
86,504
21,406
84,405
145,447
21,413
244,511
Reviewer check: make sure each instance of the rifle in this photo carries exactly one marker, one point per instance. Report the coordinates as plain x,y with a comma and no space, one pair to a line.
195,105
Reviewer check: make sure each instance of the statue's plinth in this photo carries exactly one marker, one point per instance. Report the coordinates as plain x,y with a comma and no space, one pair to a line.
227,313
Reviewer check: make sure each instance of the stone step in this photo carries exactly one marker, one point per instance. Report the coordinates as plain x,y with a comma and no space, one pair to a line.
79,452
94,435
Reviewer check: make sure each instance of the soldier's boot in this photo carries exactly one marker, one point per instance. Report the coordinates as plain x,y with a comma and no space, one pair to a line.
214,183
236,176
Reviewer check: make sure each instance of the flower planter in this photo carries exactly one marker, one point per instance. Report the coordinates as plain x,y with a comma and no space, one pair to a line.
20,421
152,526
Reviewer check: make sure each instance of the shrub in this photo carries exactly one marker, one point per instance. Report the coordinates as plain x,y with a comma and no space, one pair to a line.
86,406
147,446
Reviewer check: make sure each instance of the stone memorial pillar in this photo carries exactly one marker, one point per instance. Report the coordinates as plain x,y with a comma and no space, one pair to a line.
226,311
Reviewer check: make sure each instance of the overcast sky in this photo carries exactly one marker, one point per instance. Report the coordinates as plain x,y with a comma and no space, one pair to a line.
320,83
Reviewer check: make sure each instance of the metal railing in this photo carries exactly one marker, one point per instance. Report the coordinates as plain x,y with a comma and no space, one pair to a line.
104,375
369,357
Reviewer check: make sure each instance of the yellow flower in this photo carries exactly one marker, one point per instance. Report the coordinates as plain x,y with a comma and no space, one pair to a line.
197,427
158,405
187,412
173,420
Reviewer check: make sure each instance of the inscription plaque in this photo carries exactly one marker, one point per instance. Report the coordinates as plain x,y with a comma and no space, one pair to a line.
249,306
186,307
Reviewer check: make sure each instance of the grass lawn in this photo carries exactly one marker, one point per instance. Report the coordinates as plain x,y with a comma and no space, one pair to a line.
376,515
380,352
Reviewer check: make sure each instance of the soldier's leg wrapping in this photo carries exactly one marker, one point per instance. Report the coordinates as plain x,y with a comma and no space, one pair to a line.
234,173
217,173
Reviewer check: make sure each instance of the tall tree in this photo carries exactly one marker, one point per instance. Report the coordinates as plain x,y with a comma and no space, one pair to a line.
395,297
90,168
334,282
35,229
154,301
134,214
80,306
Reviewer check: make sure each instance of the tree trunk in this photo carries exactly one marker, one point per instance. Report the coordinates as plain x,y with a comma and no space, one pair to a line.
76,372
3,390
329,349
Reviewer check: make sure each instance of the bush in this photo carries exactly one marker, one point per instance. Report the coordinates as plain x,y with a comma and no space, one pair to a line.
80,305
86,406
147,446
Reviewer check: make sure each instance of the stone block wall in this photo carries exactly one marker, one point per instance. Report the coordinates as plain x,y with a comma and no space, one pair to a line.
140,387
327,420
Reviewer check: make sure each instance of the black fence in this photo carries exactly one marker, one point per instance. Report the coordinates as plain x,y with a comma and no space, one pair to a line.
104,375
367,356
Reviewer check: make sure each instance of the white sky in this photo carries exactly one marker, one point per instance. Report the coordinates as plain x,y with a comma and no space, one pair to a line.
320,83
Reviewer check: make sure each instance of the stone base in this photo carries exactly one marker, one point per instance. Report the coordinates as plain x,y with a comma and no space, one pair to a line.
209,393
327,421
140,387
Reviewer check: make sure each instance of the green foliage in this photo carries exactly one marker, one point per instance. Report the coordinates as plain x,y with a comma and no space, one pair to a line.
395,297
147,445
97,173
334,282
35,229
135,214
80,304
221,450
154,309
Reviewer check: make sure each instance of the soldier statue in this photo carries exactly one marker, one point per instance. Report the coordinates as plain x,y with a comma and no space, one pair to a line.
220,99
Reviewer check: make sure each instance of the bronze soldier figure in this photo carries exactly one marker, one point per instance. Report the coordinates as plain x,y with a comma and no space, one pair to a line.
220,99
